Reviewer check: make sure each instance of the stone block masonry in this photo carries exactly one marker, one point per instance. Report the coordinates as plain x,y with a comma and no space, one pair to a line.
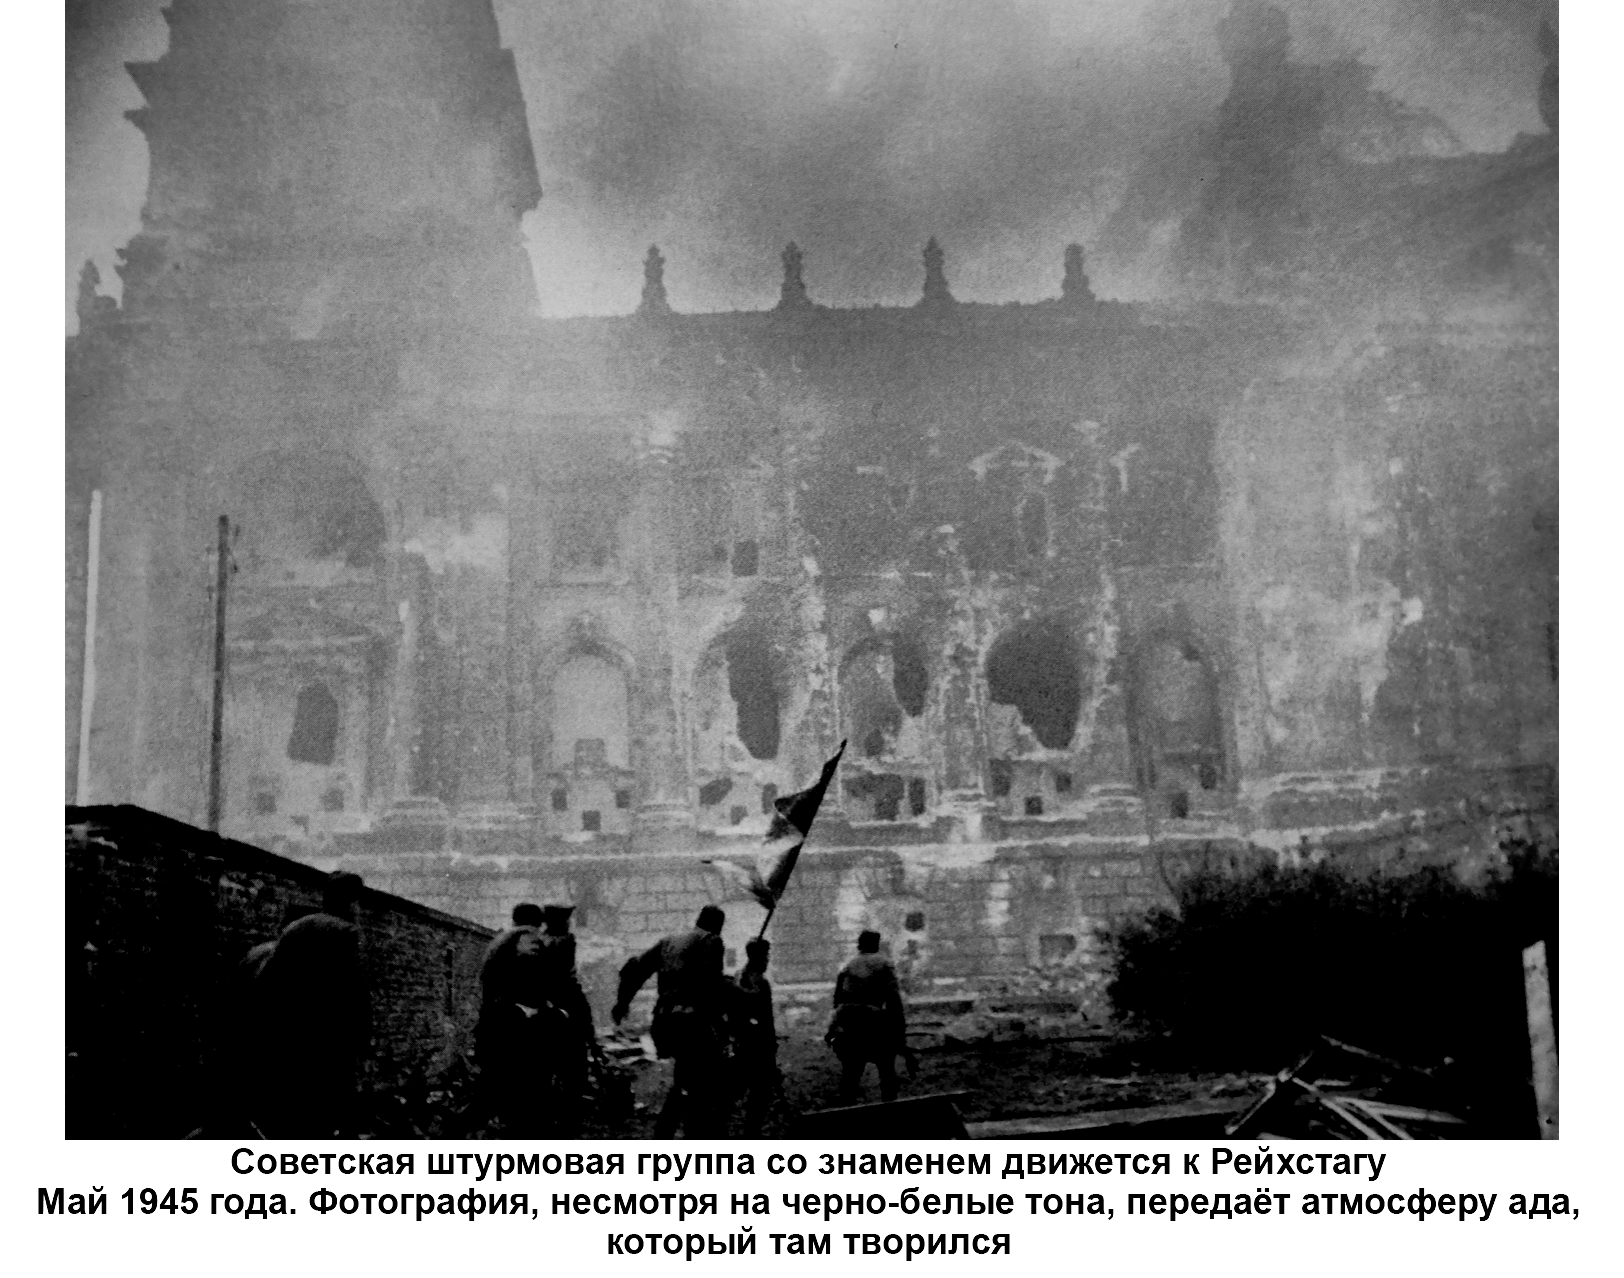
159,916
965,915
947,912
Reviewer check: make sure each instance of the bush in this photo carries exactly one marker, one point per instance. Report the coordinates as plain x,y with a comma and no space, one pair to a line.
1250,967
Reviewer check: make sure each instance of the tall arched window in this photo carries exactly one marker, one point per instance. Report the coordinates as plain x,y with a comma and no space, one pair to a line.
1179,729
752,680
881,683
590,717
869,713
314,738
1034,669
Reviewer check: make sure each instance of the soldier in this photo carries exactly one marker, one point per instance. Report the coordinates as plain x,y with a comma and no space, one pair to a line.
868,1022
569,1037
755,1037
501,1032
317,1015
688,1021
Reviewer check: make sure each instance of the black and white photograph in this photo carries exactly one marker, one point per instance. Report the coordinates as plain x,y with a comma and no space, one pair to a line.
810,569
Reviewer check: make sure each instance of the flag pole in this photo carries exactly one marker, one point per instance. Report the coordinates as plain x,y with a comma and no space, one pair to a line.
766,920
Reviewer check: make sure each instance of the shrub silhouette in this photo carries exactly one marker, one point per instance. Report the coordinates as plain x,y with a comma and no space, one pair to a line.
1249,966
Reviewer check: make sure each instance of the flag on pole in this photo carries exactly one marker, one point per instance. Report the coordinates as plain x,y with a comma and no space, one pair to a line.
792,821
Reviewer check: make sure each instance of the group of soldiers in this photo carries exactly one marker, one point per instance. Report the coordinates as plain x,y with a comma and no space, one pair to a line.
302,1011
535,1036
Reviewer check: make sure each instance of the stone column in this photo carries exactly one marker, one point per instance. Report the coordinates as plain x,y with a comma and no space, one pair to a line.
410,818
1110,788
487,816
665,815
468,585
960,698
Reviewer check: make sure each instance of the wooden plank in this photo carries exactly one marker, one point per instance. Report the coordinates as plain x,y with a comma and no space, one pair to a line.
1409,1114
1332,1106
1280,1080
1394,1131
1541,1037
1386,1061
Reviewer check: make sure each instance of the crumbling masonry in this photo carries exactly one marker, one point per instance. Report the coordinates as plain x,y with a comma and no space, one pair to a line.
533,609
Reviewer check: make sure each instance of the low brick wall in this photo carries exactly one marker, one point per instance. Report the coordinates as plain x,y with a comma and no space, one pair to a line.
158,918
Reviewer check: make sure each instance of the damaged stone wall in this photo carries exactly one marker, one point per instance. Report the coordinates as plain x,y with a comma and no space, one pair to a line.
529,609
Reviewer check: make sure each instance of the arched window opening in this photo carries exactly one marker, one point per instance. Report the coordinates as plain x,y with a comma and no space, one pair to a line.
871,713
349,526
1035,670
1180,728
590,718
910,676
315,726
753,685
880,687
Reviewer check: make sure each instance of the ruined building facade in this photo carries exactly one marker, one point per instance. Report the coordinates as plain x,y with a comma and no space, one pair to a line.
525,609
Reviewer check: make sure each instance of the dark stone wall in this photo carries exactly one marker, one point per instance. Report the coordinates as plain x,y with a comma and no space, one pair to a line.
159,917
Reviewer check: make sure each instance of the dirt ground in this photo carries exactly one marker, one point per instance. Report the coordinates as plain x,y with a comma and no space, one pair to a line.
1018,1079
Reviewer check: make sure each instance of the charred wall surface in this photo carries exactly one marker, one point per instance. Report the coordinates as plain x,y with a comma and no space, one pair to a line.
524,608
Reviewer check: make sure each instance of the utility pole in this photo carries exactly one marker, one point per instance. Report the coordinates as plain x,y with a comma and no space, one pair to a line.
222,574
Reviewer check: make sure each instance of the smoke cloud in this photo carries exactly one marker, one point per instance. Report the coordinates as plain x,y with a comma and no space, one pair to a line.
721,129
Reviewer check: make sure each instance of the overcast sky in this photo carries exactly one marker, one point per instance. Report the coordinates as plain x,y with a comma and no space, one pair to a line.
723,128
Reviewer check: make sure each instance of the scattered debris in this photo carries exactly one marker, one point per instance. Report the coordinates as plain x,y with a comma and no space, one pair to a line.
1305,1102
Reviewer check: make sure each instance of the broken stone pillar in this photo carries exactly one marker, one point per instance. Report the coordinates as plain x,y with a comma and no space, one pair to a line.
480,730
960,703
792,292
654,299
413,818
1111,792
664,817
936,292
1074,286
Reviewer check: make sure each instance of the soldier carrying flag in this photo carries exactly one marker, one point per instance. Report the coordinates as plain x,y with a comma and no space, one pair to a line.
791,823
688,1023
691,1011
